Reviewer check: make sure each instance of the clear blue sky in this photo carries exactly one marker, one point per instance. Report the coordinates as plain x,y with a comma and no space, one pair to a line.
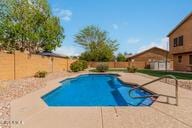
136,24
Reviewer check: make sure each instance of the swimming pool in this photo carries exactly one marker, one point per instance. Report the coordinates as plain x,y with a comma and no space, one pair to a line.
95,90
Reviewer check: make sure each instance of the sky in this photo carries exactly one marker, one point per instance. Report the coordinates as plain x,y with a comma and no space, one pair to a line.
136,24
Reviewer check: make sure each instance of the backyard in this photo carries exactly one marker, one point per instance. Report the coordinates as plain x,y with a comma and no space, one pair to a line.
82,67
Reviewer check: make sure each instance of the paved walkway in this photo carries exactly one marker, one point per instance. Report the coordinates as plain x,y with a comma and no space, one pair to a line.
36,114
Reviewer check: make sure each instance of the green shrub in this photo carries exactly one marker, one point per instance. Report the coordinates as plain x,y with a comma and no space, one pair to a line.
79,65
131,69
84,64
76,66
40,74
102,68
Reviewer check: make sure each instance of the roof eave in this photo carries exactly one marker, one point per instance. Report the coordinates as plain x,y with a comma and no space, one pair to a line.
177,26
133,56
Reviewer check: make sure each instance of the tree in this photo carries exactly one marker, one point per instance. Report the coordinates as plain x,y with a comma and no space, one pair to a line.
121,57
98,46
29,25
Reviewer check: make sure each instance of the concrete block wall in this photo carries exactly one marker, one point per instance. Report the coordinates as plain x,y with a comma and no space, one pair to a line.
25,65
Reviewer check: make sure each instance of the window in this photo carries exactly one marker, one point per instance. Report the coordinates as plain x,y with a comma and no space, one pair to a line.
190,59
180,59
175,42
180,41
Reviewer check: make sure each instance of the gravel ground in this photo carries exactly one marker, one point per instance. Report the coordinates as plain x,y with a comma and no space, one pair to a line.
5,114
186,84
13,89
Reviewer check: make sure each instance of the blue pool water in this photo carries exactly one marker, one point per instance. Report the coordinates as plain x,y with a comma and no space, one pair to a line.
95,90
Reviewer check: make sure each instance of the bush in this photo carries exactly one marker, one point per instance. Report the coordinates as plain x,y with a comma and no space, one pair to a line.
102,68
131,69
84,64
79,65
76,66
40,74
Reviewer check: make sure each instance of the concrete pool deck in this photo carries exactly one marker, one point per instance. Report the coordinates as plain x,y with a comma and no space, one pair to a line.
34,113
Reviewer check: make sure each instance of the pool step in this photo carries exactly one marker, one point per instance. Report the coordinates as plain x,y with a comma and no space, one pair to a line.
118,98
147,102
114,84
133,102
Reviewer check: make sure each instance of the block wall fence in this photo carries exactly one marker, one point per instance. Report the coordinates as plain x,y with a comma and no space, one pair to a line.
138,64
25,65
110,64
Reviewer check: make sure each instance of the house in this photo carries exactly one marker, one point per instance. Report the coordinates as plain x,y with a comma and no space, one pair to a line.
180,44
51,54
145,58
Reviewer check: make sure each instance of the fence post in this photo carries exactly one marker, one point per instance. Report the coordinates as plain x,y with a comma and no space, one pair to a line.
52,59
14,66
67,64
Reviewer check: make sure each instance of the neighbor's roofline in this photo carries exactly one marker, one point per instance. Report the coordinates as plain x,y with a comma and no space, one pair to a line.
147,51
52,54
183,21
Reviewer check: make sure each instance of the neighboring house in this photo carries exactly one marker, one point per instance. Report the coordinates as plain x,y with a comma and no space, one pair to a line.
128,55
180,39
51,54
145,58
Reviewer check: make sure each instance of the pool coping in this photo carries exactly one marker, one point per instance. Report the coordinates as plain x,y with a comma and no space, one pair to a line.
153,98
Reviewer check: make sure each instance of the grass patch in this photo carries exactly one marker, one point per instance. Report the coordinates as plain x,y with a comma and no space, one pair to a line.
185,76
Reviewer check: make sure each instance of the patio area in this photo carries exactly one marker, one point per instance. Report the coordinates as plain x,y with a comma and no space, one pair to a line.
34,113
